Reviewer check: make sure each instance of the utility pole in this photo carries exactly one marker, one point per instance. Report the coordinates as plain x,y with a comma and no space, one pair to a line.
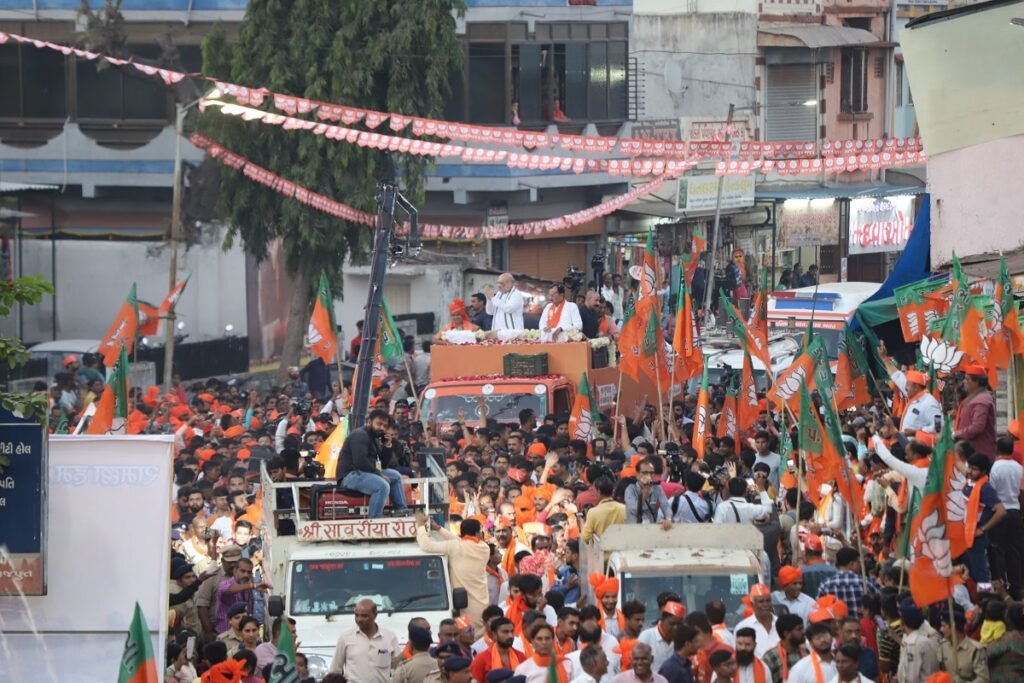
383,252
709,277
169,329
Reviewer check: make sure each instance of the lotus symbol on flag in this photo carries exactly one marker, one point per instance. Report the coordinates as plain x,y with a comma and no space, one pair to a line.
788,387
702,418
313,335
956,502
932,543
583,426
940,354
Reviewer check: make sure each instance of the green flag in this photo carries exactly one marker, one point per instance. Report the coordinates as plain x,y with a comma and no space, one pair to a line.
137,663
282,670
62,424
785,445
651,334
389,343
119,383
628,308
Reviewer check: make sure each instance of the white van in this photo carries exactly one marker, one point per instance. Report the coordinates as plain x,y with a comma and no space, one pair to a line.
831,305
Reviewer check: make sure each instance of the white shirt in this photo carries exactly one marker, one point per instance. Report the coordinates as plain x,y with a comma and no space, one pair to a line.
364,659
921,410
615,299
803,671
766,639
773,460
747,512
549,614
535,673
659,648
613,665
506,309
683,511
858,679
569,319
802,606
1005,479
914,475
746,673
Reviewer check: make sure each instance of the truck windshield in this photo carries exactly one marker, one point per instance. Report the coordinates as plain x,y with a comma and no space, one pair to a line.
696,590
500,407
399,584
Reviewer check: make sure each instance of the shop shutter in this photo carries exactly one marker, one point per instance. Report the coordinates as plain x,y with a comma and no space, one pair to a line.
788,86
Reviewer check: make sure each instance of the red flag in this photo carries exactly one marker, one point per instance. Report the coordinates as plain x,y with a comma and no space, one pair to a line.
122,332
149,319
171,300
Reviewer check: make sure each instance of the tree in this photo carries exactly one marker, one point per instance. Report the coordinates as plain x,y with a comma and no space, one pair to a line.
23,290
389,55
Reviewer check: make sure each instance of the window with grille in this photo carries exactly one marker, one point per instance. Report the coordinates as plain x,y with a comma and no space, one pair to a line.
853,82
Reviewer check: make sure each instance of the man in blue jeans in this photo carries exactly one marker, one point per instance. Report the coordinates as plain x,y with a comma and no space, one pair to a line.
366,465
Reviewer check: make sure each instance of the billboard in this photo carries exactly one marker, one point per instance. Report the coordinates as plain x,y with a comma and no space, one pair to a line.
880,223
22,506
699,193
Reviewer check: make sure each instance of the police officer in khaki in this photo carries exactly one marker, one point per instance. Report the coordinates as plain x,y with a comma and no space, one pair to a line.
970,664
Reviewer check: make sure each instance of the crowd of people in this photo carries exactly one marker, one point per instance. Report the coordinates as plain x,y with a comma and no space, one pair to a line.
832,605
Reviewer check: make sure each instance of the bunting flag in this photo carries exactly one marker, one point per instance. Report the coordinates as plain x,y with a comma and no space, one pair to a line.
137,663
581,420
931,571
112,409
323,340
819,463
389,340
686,340
851,373
122,332
751,342
171,300
702,417
747,402
149,319
919,304
327,453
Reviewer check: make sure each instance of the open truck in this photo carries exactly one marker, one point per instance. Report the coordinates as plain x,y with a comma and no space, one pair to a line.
324,555
700,562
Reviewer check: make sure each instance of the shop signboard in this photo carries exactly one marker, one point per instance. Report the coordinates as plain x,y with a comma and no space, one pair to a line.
880,224
23,479
699,193
808,223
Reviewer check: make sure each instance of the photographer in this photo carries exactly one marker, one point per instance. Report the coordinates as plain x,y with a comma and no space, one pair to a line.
645,500
735,508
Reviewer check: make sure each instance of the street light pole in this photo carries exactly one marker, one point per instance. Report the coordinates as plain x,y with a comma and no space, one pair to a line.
709,276
179,123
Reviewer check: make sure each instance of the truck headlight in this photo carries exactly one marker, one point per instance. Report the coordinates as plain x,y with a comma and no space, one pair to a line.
316,666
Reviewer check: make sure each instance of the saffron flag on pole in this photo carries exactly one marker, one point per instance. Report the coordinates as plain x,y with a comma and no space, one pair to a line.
851,373
112,408
819,464
581,421
171,300
323,341
632,339
749,341
649,269
121,333
149,319
918,304
727,421
931,570
758,323
686,340
786,390
327,453
137,663
698,241
389,339
1007,337
702,417
747,402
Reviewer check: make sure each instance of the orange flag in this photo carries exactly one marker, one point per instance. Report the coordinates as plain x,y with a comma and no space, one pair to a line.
931,572
171,300
820,460
786,390
746,404
149,319
121,333
323,341
702,417
685,339
727,425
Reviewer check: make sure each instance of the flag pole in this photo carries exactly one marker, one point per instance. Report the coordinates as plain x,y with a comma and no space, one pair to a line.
953,635
618,398
661,400
412,385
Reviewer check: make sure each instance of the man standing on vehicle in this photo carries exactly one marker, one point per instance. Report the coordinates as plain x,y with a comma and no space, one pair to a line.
366,465
505,306
365,653
923,411
467,561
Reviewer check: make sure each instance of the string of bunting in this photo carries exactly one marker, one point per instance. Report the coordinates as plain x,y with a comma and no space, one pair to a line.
338,209
505,136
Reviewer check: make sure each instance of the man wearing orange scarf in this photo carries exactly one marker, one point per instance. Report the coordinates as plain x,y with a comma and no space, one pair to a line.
545,665
500,654
762,620
660,637
531,597
467,561
749,668
984,511
606,590
460,317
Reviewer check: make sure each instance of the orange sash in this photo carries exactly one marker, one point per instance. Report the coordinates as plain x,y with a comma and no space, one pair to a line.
620,619
561,675
759,672
407,652
515,614
555,314
816,663
514,659
973,503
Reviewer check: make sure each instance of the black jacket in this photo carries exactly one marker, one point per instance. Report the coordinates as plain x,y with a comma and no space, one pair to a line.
361,451
591,322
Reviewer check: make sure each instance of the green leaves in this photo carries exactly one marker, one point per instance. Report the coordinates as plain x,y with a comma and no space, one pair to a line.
28,290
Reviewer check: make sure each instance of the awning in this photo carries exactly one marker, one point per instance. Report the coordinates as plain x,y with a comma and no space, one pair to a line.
812,36
791,191
7,186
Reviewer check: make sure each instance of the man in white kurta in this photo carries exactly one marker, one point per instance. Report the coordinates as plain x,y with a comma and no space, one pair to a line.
506,305
559,316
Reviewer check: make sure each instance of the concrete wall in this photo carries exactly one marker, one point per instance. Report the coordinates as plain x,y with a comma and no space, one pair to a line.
697,57
976,199
93,278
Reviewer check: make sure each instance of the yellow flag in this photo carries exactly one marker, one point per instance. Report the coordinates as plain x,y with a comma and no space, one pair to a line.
327,454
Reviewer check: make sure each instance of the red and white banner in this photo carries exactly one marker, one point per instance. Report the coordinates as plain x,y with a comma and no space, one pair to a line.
427,230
